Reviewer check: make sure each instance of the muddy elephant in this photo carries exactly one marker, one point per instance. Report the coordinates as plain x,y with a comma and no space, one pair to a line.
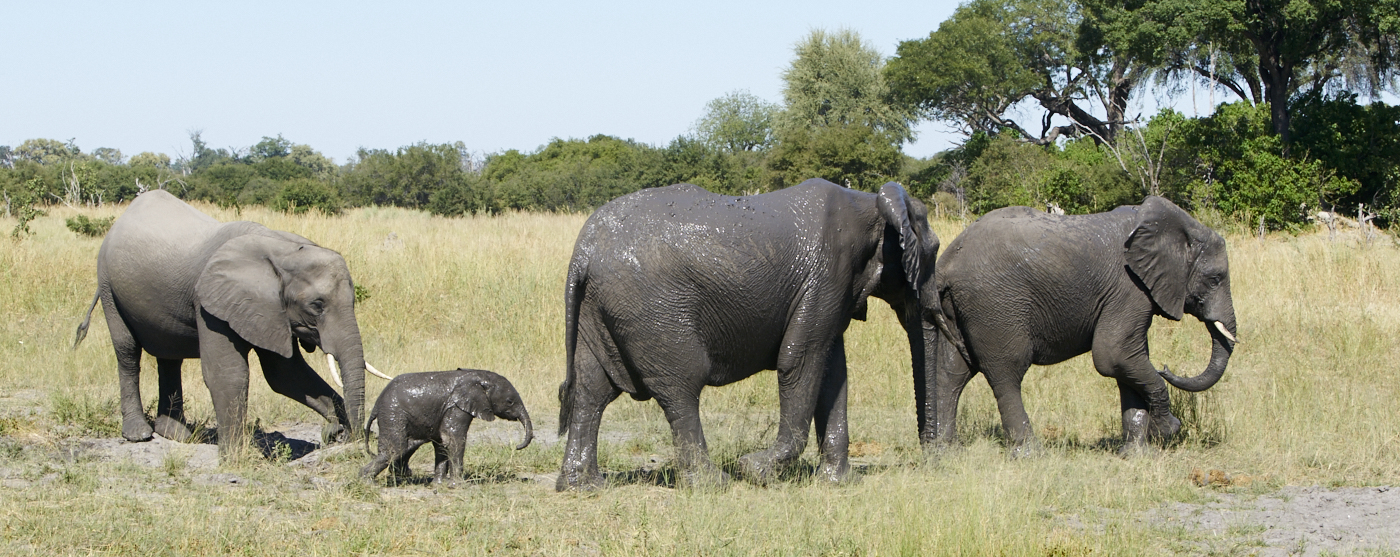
177,284
673,289
1022,287
438,407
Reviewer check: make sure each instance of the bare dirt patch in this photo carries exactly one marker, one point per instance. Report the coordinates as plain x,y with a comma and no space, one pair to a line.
1296,520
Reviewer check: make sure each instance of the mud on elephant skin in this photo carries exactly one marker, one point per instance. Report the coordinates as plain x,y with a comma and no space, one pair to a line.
177,284
438,407
1021,287
673,289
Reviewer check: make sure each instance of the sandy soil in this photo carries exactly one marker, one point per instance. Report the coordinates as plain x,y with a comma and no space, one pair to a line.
1296,520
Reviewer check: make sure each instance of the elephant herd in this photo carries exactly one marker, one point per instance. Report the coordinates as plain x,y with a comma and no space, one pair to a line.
673,289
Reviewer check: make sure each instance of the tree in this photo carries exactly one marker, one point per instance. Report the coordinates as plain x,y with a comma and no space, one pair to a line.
46,151
837,80
146,158
856,155
1290,48
992,55
270,147
108,155
738,121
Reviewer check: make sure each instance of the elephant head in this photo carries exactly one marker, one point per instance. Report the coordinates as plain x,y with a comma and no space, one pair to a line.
487,396
273,291
907,261
1184,268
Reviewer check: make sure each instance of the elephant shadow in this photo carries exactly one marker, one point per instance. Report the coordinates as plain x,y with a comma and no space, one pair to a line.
480,477
275,446
668,476
1101,444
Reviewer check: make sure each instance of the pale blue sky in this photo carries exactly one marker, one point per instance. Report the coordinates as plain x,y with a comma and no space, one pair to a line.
337,76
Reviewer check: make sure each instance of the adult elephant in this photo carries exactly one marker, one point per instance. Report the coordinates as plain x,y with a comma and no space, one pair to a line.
178,284
1022,287
676,288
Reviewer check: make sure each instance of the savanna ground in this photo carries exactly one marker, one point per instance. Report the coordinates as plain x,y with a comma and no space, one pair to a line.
1290,453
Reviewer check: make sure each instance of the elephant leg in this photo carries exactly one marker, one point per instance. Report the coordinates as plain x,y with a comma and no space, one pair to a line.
441,462
295,379
952,377
223,359
452,445
1122,354
377,464
134,424
399,468
831,425
589,394
1005,380
682,407
1134,417
799,386
170,407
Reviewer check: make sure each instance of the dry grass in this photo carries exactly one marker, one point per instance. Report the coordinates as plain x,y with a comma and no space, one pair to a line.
1308,399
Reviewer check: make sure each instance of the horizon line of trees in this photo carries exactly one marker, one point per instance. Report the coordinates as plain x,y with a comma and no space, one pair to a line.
1291,138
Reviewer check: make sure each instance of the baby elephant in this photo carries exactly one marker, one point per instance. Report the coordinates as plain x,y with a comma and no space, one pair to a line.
438,406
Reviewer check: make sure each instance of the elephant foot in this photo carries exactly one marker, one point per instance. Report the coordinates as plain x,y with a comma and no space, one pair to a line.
448,483
837,474
1164,427
1138,449
936,449
578,482
137,430
333,434
761,467
705,478
174,430
1026,449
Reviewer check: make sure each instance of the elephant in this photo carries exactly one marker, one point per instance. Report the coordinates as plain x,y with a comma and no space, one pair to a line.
1021,287
673,289
178,284
438,407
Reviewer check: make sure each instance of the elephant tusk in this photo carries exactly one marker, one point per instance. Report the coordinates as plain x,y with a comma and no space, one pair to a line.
335,371
376,372
1221,327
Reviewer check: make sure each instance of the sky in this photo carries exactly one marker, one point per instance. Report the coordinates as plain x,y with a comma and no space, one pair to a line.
344,75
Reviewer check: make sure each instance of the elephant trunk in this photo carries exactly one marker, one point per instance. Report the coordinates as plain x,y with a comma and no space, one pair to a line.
923,345
529,429
1223,344
343,343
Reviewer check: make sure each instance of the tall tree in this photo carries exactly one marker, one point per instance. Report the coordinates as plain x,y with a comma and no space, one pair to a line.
993,54
1289,48
738,121
838,80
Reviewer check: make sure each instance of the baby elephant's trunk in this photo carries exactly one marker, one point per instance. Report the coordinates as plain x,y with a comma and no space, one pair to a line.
529,430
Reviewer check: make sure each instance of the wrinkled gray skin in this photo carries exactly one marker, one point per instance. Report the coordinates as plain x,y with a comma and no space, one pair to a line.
438,407
1022,287
674,289
178,284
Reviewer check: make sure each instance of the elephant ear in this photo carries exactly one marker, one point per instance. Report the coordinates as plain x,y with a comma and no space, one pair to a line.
894,208
241,286
1160,254
470,396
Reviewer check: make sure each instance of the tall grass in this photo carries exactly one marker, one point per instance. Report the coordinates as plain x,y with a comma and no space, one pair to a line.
1308,399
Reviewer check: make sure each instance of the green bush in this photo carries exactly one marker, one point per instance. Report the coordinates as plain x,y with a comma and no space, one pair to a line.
301,195
1264,183
85,226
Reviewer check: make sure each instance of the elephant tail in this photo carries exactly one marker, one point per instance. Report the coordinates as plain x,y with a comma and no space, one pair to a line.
373,415
82,329
947,320
573,299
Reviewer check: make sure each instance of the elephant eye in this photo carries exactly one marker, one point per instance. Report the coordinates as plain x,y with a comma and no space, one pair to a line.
317,306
